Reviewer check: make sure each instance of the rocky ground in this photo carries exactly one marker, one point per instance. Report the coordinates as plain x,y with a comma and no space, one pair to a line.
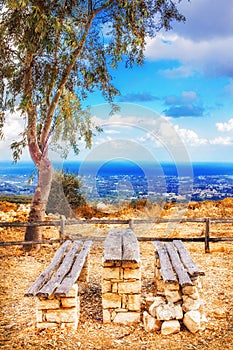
19,269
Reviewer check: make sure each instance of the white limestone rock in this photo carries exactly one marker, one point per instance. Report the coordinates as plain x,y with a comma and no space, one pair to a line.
192,321
191,304
170,327
157,301
166,312
150,323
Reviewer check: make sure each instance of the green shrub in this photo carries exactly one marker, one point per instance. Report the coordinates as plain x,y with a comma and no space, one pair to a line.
66,194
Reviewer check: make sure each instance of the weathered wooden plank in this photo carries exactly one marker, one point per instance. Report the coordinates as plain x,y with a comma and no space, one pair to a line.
184,279
113,246
64,268
130,247
74,274
186,259
166,266
47,273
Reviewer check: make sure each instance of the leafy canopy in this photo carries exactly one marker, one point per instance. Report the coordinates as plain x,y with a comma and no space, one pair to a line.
54,53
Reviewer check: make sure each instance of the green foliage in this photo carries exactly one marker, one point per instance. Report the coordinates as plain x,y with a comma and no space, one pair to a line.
66,194
54,53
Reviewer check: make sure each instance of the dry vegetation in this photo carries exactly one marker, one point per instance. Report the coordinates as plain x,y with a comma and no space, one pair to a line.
19,270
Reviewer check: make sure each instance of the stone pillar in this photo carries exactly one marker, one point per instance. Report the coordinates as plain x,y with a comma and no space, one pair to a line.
176,304
121,292
60,312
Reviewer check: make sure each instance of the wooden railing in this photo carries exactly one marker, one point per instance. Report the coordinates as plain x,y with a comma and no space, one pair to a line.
63,222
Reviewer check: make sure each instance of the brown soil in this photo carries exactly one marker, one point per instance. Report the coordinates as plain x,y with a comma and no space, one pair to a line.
19,270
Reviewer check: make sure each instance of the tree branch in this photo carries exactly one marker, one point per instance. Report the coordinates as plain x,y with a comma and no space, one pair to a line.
31,111
49,117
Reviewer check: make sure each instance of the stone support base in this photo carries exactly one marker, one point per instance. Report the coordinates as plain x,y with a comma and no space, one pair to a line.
60,312
121,292
173,303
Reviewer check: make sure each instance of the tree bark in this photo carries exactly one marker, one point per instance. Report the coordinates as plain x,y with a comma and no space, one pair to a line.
39,202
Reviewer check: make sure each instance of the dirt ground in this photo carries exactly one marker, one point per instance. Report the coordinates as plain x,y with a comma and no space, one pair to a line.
17,318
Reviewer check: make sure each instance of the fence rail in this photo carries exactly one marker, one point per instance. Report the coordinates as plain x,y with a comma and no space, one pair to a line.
63,222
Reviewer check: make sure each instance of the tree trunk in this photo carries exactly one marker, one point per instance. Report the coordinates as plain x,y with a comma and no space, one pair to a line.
39,202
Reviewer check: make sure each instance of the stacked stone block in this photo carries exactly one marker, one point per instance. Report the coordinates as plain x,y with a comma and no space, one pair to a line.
56,288
174,304
56,311
121,292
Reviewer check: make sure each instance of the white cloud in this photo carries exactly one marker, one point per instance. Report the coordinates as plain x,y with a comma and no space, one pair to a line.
14,125
211,57
222,141
225,127
190,137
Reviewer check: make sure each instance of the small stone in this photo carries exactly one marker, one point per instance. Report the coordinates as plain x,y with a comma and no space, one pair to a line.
160,286
192,320
172,286
173,295
106,316
134,302
129,287
189,290
178,312
165,312
132,273
170,327
106,286
191,304
127,317
69,302
157,301
47,304
111,300
220,313
111,272
45,325
150,323
149,301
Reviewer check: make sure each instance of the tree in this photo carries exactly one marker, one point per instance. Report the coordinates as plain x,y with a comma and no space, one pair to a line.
66,194
54,53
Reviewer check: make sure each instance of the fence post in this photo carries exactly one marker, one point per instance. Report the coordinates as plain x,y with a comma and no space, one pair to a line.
131,224
207,235
62,228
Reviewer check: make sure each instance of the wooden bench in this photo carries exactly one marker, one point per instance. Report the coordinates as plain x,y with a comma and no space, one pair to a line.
56,288
176,264
178,290
121,282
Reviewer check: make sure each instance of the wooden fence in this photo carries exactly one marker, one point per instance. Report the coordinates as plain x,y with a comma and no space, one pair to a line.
63,222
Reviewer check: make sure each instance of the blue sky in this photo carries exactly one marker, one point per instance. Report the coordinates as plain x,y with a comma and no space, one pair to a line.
179,104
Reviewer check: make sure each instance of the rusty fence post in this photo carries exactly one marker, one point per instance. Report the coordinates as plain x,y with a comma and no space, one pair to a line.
207,235
62,228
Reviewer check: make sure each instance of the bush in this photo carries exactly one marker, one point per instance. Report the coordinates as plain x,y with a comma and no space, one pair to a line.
66,194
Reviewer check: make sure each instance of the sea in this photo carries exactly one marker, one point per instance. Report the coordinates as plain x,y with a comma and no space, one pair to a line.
123,180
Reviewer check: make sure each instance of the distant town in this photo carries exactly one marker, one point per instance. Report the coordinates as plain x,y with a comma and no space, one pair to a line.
170,188
117,188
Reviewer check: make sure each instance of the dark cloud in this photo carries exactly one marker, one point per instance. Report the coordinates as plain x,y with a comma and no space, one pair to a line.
206,19
138,97
187,97
184,111
187,104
